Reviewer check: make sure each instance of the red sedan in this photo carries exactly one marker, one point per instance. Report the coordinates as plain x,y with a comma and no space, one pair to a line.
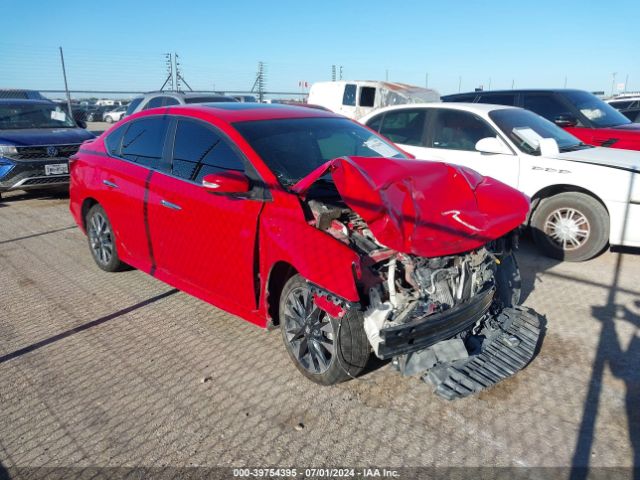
301,218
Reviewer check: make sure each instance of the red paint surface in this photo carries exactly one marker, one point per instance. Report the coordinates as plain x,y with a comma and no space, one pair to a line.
626,136
428,209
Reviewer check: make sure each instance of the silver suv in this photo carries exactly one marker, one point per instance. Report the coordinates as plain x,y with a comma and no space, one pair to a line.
166,99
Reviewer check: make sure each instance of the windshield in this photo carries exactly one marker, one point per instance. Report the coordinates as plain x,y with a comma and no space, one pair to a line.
525,129
600,113
14,116
294,147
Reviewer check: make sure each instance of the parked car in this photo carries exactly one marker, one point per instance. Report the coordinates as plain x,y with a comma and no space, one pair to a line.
245,98
165,99
115,115
248,207
36,139
580,113
628,105
583,197
354,99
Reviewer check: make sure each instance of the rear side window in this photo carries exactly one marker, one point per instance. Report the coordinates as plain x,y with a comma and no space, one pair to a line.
170,101
349,97
499,99
367,96
144,141
198,151
133,105
404,126
154,103
114,141
458,130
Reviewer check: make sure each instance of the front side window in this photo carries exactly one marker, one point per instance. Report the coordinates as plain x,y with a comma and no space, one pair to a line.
367,96
376,122
293,147
144,141
349,97
404,126
199,151
546,106
599,113
525,129
458,130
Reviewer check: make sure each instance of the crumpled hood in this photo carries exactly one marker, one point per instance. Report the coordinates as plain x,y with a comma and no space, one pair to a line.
429,209
44,136
608,157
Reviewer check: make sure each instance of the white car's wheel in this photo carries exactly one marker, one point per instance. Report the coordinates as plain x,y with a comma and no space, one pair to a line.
570,226
108,119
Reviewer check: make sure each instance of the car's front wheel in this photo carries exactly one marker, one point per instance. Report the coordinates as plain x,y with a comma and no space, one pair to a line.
325,349
570,226
102,240
108,119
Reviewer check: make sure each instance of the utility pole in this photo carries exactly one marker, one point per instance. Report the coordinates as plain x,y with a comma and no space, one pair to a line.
66,87
626,83
513,84
613,82
565,81
333,73
489,84
459,84
340,72
426,80
386,76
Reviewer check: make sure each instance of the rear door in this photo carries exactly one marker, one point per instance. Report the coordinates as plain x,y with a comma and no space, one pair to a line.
134,149
203,241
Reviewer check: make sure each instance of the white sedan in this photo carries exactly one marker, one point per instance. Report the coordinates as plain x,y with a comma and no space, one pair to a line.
114,115
583,197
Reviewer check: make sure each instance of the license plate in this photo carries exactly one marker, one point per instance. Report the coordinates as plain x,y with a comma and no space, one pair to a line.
56,169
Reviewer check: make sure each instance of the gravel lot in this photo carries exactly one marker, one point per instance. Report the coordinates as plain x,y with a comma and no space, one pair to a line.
101,369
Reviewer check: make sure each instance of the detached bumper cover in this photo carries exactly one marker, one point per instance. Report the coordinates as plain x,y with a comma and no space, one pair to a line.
426,331
500,356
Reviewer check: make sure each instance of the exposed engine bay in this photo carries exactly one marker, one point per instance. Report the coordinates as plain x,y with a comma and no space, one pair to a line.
450,319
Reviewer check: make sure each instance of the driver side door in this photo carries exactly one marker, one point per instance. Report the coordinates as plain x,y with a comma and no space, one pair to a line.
203,242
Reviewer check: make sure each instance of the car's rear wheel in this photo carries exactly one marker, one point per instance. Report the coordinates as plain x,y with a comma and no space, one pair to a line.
108,119
102,240
325,349
570,226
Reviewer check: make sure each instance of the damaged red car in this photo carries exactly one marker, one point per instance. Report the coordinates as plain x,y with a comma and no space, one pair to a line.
306,220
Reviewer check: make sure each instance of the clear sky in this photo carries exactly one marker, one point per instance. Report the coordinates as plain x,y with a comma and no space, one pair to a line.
118,45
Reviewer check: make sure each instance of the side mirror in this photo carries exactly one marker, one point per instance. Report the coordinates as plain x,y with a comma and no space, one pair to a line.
226,182
565,120
81,123
492,145
549,147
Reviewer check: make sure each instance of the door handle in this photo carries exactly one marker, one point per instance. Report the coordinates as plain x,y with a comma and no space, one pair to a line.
110,184
170,205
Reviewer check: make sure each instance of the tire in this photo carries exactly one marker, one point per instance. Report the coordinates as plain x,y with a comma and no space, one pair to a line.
108,119
102,241
508,281
570,226
314,327
90,117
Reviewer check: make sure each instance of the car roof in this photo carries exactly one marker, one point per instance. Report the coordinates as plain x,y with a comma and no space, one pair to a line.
513,91
239,112
479,108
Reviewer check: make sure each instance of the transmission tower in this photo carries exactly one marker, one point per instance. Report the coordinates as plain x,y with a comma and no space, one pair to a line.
179,77
169,79
333,73
259,84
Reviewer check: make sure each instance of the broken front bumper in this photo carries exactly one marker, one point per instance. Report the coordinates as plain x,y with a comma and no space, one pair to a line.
428,330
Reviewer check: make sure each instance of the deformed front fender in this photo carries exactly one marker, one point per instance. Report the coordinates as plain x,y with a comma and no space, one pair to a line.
314,254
